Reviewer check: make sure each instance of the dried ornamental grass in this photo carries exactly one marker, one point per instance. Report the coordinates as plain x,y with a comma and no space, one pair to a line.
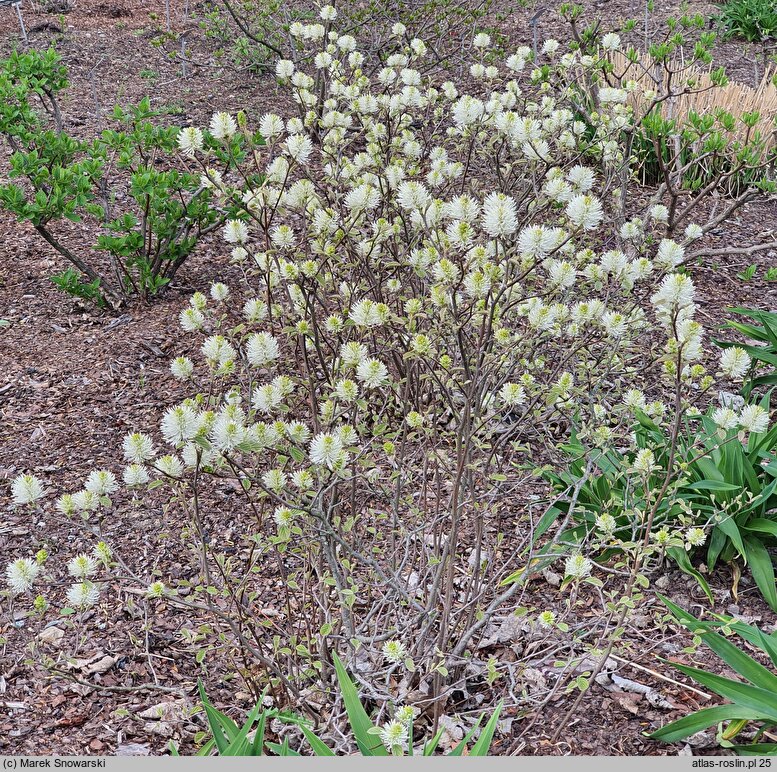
706,98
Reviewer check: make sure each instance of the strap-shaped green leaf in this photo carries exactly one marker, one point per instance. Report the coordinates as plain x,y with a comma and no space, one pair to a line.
701,719
357,716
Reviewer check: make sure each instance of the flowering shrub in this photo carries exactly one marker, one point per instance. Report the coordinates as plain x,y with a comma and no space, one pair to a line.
63,178
447,26
437,277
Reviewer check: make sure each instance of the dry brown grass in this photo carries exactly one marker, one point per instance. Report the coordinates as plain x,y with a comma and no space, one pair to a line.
704,97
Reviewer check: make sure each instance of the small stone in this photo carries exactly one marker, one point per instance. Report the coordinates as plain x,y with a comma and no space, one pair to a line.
133,749
161,728
52,636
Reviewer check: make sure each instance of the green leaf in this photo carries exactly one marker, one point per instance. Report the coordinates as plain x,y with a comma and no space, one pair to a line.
761,567
729,527
357,716
461,747
431,746
240,746
756,749
736,659
680,557
216,720
701,719
713,485
751,698
320,748
483,744
762,525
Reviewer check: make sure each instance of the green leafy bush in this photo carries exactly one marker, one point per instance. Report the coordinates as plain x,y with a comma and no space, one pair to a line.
753,700
752,20
57,177
721,494
396,736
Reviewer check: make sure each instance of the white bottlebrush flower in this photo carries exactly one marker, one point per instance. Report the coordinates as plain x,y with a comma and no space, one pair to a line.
192,319
413,195
274,479
26,489
138,448
512,394
606,523
101,482
182,368
676,292
135,475
266,399
582,177
394,736
372,373
83,595
179,424
659,213
693,231
353,353
735,362
170,466
271,125
611,41
284,68
20,575
645,461
585,212
261,349
500,216
608,95
223,126
754,418
695,537
255,310
482,40
394,651
82,566
670,254
86,501
219,291
725,418
577,567
299,148
235,232
326,450
218,350
227,434
366,313
537,241
190,141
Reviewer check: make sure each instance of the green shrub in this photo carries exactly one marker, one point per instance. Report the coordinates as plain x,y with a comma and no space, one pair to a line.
56,177
752,20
